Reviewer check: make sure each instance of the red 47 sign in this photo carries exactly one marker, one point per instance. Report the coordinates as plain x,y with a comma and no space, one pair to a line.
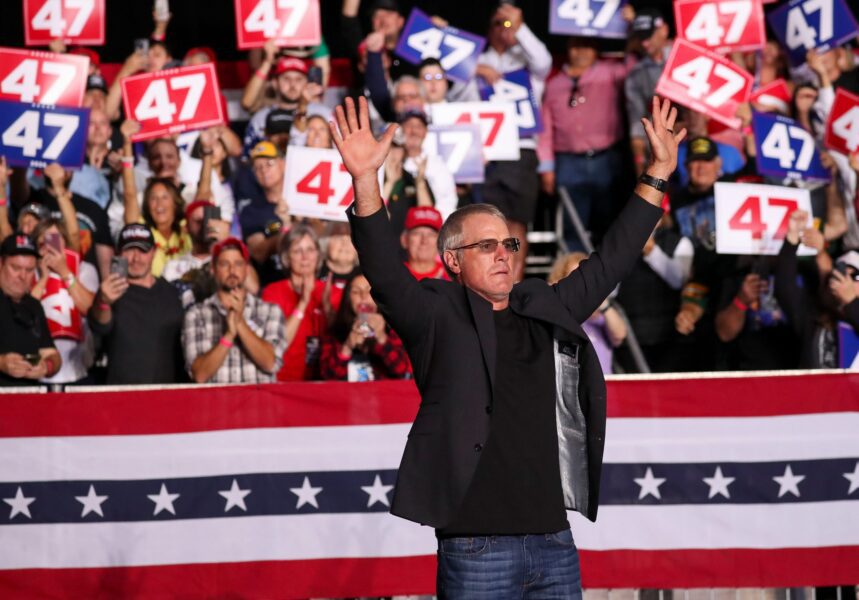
842,126
287,22
173,101
74,21
38,77
721,25
753,219
316,184
705,81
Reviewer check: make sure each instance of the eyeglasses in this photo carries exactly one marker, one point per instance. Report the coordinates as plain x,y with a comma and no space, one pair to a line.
575,97
433,77
489,246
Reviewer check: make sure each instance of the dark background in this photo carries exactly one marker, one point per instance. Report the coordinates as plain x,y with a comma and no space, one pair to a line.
212,23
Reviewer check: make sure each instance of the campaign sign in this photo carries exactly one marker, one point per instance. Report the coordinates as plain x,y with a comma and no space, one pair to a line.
498,130
753,218
591,18
460,148
35,135
515,87
785,149
78,22
722,25
456,50
848,347
317,184
801,25
705,81
37,77
842,125
287,22
173,100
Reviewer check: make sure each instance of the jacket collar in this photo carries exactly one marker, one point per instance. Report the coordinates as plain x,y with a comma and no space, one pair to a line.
481,312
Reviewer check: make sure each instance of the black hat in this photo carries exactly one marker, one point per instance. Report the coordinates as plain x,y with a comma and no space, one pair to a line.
702,148
385,5
410,113
96,82
645,22
279,121
18,244
137,236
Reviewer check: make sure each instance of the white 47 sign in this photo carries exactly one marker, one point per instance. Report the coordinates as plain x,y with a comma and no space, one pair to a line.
753,219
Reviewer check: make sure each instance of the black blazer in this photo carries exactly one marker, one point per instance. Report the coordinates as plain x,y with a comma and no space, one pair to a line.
449,333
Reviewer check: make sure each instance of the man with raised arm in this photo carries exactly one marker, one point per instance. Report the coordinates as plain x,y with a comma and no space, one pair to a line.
511,426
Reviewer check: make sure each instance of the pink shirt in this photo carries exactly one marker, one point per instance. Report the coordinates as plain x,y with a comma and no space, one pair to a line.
595,124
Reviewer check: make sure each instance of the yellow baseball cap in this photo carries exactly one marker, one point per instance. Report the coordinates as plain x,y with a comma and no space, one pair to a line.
264,150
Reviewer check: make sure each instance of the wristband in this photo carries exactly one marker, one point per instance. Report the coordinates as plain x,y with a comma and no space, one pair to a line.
70,281
49,366
297,313
158,37
342,356
739,304
225,343
654,182
747,130
3,201
261,74
103,306
128,163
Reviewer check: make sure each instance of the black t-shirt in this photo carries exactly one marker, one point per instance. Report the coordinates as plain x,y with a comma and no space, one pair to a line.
516,488
143,340
92,220
23,330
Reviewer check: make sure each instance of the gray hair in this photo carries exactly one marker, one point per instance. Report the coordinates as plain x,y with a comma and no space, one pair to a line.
451,234
409,79
296,233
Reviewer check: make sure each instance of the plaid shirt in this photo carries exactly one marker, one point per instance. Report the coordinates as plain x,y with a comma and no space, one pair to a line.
205,324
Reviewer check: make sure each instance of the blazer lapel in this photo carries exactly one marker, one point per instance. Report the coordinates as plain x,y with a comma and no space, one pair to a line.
481,312
535,298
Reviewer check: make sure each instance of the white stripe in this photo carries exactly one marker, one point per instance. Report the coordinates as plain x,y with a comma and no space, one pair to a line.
738,439
240,539
809,524
130,457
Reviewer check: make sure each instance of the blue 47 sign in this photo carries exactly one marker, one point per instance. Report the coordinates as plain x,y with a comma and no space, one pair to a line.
515,87
37,135
801,25
461,148
785,149
595,18
456,50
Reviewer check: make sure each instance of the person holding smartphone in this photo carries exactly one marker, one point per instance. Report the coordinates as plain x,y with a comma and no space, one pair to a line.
27,352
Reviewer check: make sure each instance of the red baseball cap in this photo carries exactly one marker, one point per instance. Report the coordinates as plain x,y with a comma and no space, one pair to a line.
289,63
423,216
230,243
195,205
210,54
94,58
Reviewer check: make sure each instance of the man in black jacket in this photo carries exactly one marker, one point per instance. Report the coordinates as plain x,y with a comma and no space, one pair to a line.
511,426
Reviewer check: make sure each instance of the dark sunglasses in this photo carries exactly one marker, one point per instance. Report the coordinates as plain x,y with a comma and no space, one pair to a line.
489,246
575,97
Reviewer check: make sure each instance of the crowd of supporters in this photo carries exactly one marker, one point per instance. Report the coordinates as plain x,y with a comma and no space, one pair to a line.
175,260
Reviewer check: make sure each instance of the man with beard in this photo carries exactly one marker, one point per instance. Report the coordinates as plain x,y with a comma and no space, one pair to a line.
233,337
138,315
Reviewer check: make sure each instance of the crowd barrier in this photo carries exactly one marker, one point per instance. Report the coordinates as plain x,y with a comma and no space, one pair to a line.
283,490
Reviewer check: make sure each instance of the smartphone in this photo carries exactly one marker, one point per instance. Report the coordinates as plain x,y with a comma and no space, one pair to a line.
52,239
141,45
162,10
210,213
119,265
314,75
34,359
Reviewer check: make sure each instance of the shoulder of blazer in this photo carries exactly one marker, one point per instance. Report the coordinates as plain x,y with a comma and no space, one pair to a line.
537,299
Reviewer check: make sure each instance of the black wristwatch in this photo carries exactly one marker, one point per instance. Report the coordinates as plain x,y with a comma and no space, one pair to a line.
654,182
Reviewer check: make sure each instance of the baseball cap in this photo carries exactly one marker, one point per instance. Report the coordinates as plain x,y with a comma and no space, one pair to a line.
92,55
645,22
227,244
412,113
423,216
96,82
702,148
289,63
195,205
279,120
385,5
135,235
264,150
35,209
18,244
210,54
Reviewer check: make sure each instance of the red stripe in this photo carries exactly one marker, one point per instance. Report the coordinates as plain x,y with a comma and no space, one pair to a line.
385,402
787,567
736,567
747,396
331,578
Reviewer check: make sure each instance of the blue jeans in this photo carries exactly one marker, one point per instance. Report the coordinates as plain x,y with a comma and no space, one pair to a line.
509,566
591,182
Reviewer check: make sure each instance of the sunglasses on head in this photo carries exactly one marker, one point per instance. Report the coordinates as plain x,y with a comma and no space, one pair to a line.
510,244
